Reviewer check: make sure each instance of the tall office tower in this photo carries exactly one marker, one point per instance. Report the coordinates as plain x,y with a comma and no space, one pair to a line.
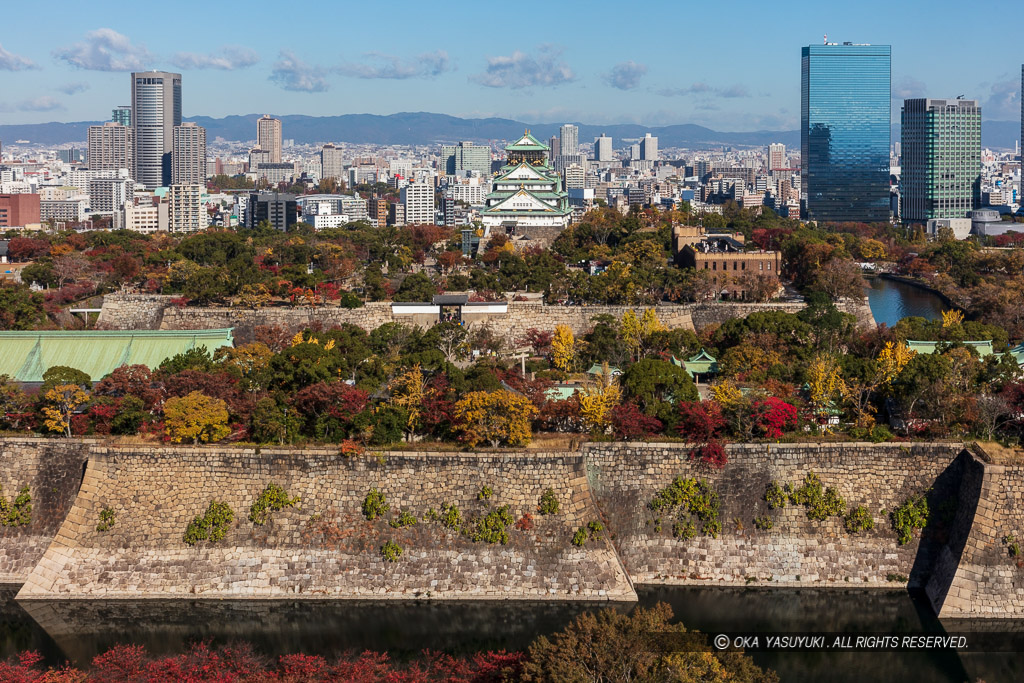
111,146
465,156
569,139
554,148
776,156
845,132
156,110
186,212
268,137
418,199
941,145
634,151
122,115
188,155
603,148
649,148
331,163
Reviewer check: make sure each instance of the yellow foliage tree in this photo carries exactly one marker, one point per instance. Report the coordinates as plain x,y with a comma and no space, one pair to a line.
952,318
408,391
727,395
563,348
597,400
873,250
61,403
498,417
891,361
196,418
825,381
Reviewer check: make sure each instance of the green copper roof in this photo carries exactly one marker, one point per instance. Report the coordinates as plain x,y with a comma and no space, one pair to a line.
984,348
1018,353
703,363
560,392
527,143
25,356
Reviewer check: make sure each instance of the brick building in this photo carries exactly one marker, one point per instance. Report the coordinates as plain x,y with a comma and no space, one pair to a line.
19,210
727,258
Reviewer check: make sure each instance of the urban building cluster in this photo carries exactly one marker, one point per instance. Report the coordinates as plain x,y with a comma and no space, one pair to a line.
148,170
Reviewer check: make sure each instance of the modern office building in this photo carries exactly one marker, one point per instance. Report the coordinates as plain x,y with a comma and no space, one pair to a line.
331,163
465,156
569,140
188,155
649,148
418,199
603,148
280,210
845,132
776,156
111,147
186,212
941,159
156,110
554,147
268,137
122,115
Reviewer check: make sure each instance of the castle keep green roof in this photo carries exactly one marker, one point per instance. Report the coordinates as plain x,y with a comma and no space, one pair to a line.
25,356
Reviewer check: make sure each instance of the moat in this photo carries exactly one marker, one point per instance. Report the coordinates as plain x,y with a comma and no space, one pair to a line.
76,631
891,300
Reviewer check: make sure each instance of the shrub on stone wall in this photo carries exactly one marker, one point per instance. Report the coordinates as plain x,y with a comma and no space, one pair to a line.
273,498
820,504
858,519
17,512
493,527
763,523
212,526
391,551
403,520
912,514
548,503
775,496
375,505
107,519
691,497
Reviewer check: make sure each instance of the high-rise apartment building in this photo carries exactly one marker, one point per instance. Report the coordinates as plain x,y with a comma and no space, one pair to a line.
377,208
188,155
111,147
185,209
569,139
156,110
332,165
109,195
941,151
649,148
603,148
845,132
418,199
122,115
465,156
776,156
554,148
268,137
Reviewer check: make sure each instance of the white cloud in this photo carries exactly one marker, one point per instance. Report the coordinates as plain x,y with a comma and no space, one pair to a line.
291,73
730,92
42,103
427,65
12,62
1003,101
73,88
105,50
228,59
520,70
626,75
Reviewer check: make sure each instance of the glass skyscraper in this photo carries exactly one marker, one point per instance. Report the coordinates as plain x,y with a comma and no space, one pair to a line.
845,132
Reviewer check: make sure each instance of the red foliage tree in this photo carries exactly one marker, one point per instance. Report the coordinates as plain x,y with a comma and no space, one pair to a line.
700,421
711,454
25,248
629,422
214,384
132,380
773,416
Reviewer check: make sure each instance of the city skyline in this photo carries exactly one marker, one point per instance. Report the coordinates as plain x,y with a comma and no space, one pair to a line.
79,72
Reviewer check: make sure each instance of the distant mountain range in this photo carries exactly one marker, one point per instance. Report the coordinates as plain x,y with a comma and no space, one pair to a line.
422,128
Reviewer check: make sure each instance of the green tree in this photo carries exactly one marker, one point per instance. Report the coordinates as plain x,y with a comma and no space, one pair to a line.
657,386
20,309
62,374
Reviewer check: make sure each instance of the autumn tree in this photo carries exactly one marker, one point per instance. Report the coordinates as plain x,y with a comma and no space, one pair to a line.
499,417
563,348
407,392
15,404
196,418
826,387
60,403
598,400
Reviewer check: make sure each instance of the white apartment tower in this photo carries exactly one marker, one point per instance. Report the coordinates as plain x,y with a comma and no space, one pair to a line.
111,147
569,140
188,155
332,165
603,148
268,137
418,199
776,156
649,148
156,110
185,208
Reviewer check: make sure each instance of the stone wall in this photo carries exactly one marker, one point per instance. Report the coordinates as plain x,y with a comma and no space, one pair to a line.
246,320
976,576
324,548
134,312
795,551
52,469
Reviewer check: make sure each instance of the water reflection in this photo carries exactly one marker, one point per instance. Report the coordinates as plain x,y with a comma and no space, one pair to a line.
78,630
891,300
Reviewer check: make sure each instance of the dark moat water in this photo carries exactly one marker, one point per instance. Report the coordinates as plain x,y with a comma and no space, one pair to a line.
76,630
891,300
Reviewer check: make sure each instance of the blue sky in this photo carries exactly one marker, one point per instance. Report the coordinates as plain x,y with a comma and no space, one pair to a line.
729,66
